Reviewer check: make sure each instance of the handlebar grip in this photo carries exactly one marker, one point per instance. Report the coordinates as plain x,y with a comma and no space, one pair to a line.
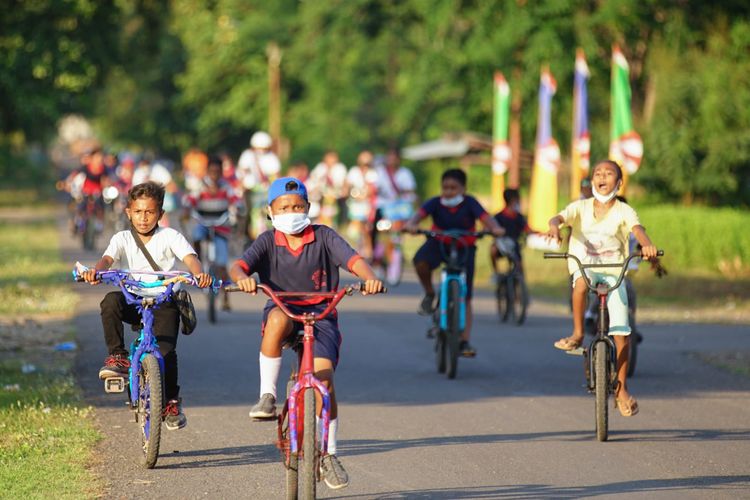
660,253
232,288
552,255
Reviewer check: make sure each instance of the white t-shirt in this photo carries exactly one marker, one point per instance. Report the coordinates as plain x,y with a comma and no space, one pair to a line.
325,181
359,182
403,180
256,168
600,241
164,246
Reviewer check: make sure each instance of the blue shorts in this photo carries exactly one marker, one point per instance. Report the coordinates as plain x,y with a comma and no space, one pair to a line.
327,334
221,245
431,253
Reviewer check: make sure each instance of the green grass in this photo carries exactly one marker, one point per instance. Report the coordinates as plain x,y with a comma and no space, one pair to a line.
46,436
32,278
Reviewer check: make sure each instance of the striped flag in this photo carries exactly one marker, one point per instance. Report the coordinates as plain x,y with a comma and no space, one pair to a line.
501,152
543,196
581,145
625,145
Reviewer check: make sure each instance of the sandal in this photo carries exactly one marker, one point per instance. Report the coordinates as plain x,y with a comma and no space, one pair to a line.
627,408
569,343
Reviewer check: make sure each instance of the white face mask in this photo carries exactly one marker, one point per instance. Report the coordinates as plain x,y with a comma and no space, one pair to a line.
291,223
604,198
452,202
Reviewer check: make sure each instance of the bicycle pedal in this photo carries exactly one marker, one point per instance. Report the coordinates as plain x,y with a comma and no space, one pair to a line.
578,351
114,384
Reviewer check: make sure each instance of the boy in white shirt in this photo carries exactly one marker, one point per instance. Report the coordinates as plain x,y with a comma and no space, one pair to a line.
600,227
164,244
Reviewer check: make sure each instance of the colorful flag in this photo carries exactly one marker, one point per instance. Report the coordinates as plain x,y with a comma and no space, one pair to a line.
625,145
581,145
543,196
501,153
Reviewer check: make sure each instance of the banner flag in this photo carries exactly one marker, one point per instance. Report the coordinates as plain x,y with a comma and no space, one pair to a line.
501,152
543,196
581,145
625,145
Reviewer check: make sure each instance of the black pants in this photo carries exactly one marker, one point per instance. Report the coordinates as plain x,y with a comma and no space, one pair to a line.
115,310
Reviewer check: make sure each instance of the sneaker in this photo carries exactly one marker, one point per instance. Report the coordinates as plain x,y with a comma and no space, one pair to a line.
333,473
265,407
116,365
466,350
173,417
425,307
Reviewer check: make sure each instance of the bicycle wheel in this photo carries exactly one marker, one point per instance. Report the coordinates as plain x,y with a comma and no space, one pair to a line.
309,449
453,333
292,469
501,297
440,351
211,297
601,389
150,406
520,299
89,234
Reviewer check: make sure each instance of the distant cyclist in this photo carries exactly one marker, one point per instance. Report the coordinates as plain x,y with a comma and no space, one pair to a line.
515,225
257,168
329,190
363,193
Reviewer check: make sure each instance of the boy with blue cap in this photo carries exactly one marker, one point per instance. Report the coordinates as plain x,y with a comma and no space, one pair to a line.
299,256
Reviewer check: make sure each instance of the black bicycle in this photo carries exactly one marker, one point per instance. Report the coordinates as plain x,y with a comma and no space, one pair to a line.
511,292
600,359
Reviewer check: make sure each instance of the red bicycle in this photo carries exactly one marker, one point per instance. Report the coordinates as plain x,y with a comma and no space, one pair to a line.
301,449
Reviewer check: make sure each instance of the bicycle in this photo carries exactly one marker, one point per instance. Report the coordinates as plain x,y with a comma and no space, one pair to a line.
392,220
145,382
511,292
210,220
88,220
297,428
600,359
449,319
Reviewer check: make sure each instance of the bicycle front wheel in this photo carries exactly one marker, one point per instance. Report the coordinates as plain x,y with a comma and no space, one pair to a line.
601,389
309,459
292,465
453,333
150,406
501,297
395,269
520,299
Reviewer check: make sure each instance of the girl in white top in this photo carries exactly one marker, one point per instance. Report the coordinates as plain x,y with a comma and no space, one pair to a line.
599,235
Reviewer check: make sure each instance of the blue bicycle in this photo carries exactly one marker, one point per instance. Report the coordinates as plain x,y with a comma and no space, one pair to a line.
145,382
449,319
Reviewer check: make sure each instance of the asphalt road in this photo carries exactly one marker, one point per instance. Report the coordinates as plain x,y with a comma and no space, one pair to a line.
516,423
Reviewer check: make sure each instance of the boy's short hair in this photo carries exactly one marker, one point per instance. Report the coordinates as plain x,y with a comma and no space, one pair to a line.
456,174
148,189
612,164
214,160
511,194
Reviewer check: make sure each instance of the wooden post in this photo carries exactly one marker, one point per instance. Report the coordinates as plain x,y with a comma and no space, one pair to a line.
274,94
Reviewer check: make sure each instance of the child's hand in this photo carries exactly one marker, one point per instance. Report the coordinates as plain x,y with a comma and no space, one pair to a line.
648,252
554,233
410,228
372,287
204,280
247,285
90,276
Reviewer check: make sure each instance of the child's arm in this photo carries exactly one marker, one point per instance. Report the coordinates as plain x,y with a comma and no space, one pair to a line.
412,224
554,228
104,263
196,269
362,269
648,250
491,224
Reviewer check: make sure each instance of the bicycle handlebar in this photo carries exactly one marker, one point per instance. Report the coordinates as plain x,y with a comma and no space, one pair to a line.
307,317
582,267
451,233
118,276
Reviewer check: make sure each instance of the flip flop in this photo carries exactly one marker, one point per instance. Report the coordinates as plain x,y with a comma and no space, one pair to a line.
568,343
627,408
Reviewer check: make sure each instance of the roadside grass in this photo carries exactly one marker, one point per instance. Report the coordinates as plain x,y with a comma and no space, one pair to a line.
33,280
46,435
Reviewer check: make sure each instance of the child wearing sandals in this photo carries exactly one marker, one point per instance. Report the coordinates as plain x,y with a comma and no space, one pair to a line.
600,227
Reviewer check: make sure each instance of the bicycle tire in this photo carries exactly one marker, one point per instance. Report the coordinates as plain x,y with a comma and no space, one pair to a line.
292,468
211,297
150,406
520,300
309,449
453,333
601,389
440,348
501,297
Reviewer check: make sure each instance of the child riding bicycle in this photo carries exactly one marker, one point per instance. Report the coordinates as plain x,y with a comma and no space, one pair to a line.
299,256
599,235
513,221
214,200
453,209
144,211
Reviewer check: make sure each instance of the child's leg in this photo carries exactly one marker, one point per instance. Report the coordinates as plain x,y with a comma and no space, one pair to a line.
276,328
115,310
166,330
619,329
579,305
494,255
424,273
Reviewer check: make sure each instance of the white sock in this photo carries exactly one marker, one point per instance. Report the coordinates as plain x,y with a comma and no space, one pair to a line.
332,428
269,374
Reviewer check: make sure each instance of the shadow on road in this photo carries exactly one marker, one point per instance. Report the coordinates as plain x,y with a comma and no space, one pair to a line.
221,457
705,483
